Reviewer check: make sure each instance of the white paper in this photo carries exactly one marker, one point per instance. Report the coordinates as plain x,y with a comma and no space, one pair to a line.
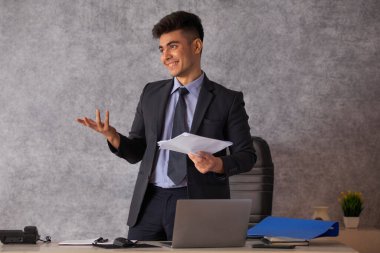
78,242
82,242
191,143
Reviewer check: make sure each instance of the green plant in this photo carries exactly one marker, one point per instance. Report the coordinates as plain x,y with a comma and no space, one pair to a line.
351,203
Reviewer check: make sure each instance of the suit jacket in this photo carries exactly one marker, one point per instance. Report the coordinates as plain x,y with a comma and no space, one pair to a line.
219,114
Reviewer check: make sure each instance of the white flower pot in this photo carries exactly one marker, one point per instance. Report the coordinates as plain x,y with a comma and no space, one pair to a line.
351,222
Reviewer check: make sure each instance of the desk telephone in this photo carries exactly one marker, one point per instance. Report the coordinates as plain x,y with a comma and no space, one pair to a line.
29,235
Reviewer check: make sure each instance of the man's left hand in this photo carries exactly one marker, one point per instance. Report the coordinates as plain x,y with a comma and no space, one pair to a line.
205,162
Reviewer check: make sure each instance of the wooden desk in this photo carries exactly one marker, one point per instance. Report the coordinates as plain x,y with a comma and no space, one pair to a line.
316,246
364,240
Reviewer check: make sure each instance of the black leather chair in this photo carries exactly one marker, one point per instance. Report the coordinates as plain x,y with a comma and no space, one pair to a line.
256,184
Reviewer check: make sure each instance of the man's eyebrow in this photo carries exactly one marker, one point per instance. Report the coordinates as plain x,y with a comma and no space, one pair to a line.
169,43
172,42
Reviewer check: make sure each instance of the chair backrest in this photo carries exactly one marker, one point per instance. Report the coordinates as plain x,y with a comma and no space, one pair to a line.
256,184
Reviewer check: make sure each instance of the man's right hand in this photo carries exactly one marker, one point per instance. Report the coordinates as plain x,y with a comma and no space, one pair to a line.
104,128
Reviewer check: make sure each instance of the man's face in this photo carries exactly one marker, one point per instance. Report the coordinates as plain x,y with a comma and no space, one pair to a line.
178,53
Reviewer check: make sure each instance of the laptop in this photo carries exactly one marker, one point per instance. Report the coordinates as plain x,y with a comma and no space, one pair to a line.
211,223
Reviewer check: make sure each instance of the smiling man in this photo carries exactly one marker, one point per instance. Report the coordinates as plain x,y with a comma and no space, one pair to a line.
181,54
189,102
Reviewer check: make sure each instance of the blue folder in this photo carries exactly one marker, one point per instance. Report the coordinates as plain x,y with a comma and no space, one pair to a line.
294,228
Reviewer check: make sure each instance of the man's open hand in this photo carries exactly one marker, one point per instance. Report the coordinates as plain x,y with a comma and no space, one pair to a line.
102,127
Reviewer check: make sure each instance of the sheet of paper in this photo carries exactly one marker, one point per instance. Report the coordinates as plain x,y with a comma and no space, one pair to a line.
78,242
86,242
191,143
83,242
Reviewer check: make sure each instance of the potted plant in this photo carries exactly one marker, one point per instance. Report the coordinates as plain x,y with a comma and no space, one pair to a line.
352,206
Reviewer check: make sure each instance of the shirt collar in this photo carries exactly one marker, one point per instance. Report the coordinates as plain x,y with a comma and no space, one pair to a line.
193,87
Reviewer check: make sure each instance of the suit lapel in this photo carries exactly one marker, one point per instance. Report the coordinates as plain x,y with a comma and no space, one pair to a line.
205,97
163,97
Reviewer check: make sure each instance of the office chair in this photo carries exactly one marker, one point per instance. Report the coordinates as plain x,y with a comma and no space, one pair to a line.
256,184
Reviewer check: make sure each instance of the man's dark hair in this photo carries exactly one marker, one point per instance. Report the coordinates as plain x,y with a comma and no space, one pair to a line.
183,20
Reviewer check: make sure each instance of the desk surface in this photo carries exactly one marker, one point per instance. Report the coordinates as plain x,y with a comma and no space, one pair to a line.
364,240
316,246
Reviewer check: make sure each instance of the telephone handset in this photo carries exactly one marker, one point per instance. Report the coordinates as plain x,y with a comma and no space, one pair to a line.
29,235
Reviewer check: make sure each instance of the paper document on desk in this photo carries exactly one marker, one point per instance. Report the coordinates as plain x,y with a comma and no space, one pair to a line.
78,242
81,242
191,143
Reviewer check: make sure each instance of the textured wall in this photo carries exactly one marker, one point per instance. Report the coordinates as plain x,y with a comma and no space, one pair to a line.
309,71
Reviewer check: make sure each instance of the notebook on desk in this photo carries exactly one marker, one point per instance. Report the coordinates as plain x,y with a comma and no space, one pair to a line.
211,223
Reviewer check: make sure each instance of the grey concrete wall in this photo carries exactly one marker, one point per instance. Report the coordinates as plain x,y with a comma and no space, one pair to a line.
309,71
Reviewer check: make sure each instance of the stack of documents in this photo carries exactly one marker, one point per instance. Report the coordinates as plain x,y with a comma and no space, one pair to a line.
284,241
191,143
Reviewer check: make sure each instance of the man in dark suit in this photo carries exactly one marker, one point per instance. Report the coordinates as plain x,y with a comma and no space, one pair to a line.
189,102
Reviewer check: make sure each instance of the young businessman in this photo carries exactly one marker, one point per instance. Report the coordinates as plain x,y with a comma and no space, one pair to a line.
189,102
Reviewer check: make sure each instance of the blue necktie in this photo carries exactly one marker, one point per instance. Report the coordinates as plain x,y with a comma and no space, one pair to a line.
177,166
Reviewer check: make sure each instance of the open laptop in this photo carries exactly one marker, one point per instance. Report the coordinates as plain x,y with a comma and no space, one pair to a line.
211,223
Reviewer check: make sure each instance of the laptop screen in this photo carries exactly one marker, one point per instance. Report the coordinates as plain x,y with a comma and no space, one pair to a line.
211,223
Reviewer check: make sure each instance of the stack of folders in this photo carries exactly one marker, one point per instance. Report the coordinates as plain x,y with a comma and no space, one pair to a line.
282,232
284,241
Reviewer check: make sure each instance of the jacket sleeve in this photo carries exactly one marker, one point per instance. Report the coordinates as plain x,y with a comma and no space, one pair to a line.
132,148
242,154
